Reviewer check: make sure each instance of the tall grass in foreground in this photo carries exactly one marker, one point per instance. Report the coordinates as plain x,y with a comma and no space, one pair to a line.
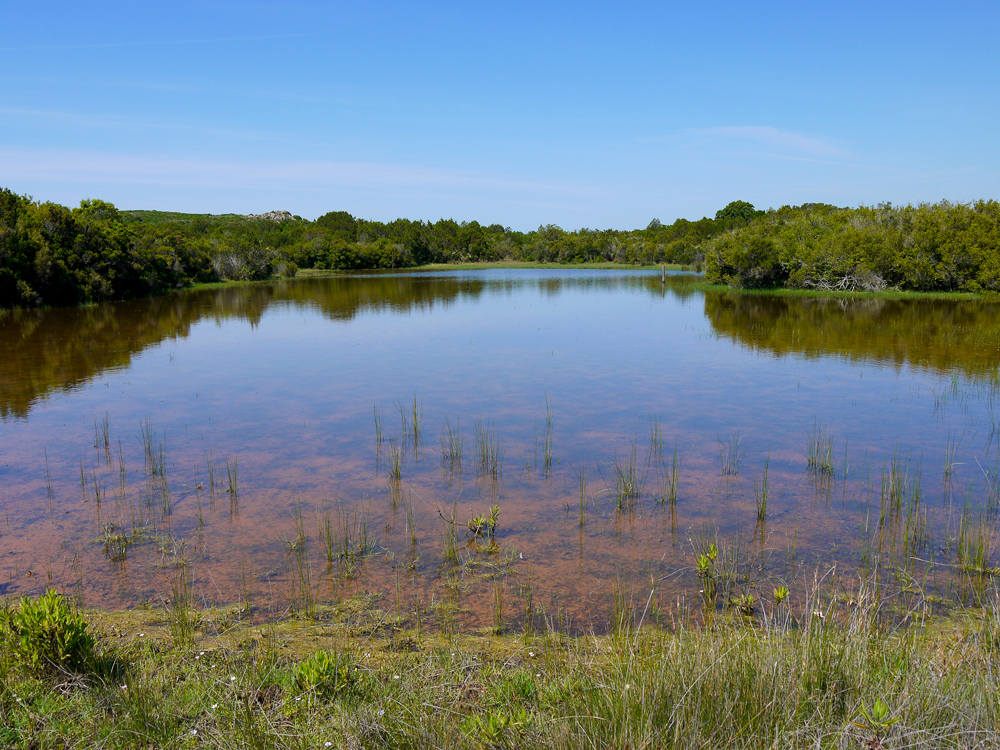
823,675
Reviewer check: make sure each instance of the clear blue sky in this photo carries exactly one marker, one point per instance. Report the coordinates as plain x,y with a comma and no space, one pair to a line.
580,114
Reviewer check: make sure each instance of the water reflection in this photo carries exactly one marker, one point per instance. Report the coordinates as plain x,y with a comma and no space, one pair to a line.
941,336
61,349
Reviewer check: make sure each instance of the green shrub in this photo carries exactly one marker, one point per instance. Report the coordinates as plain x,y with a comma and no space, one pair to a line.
46,634
329,676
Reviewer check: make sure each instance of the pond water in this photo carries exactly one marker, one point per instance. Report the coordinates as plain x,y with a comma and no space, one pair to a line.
301,441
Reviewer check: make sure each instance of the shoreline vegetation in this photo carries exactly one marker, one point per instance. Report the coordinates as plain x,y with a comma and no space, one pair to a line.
54,256
844,668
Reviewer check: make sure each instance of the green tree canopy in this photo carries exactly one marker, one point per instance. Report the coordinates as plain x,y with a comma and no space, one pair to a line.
737,210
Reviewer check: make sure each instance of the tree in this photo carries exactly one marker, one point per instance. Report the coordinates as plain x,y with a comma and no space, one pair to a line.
737,210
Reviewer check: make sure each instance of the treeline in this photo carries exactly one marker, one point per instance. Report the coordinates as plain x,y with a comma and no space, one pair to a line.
930,247
53,255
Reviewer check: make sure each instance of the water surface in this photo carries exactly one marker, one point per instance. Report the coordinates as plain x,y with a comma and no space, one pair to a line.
119,422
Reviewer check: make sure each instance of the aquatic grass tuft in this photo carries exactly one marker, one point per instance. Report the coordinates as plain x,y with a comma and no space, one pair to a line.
233,476
395,460
490,450
378,426
731,453
452,448
760,490
819,450
629,479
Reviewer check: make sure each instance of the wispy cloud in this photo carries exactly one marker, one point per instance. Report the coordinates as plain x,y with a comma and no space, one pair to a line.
129,123
92,167
793,142
152,43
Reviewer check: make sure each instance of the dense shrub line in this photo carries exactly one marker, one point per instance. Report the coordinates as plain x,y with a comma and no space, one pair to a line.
52,255
930,247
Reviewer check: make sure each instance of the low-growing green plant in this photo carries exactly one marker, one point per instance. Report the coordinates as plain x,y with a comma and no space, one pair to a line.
705,565
328,676
47,634
483,525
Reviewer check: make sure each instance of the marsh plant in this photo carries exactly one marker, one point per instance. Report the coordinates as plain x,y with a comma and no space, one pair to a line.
452,448
378,427
819,450
394,460
731,452
668,476
48,635
705,566
346,535
629,477
489,450
760,490
484,526
233,477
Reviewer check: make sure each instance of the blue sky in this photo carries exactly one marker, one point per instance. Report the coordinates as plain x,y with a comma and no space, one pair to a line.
582,114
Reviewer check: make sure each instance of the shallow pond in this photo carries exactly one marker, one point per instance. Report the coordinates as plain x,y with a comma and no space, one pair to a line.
293,442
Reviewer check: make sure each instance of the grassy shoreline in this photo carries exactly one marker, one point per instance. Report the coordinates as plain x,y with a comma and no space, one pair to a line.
889,294
835,674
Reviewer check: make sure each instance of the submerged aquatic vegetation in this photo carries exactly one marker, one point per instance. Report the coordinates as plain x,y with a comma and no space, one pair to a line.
629,480
490,450
819,450
731,453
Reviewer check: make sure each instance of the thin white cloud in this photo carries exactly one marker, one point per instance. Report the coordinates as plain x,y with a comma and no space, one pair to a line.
152,42
92,167
796,142
129,123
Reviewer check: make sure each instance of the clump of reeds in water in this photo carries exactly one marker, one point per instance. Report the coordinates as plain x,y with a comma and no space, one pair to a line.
452,448
760,490
489,450
819,450
629,479
394,460
233,476
731,453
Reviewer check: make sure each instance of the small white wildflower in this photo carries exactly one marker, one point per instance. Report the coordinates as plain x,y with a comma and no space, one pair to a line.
627,686
18,700
531,653
381,712
298,699
194,732
124,687
538,674
232,678
215,705
367,655
142,635
395,677
197,657
327,744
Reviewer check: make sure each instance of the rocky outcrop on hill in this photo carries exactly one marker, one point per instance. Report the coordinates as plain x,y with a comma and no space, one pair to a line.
273,216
